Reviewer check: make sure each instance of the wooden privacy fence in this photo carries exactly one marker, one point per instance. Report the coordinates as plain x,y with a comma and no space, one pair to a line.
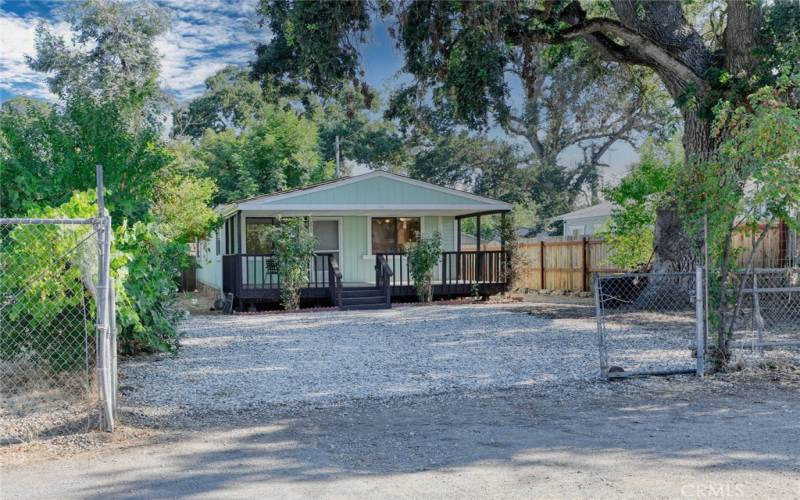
567,262
562,263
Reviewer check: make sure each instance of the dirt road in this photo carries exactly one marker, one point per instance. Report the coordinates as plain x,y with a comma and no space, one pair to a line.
648,439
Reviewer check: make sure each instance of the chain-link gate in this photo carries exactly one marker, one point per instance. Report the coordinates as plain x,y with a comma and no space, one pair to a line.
647,323
767,326
57,328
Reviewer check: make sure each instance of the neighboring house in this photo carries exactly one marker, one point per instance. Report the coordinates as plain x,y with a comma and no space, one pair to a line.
586,221
362,225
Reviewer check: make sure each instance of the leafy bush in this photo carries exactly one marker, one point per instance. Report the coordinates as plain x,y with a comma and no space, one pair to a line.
293,245
146,265
143,263
515,258
629,233
45,269
422,258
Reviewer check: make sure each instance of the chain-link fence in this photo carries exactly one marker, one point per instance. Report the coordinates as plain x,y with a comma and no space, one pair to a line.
49,281
647,323
57,326
767,326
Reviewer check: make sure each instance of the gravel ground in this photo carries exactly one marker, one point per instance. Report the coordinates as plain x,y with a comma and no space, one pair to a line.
248,361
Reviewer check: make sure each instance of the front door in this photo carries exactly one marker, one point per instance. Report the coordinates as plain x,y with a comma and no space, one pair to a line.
326,231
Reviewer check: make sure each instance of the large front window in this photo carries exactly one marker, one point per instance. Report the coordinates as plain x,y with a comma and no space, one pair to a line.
258,241
393,234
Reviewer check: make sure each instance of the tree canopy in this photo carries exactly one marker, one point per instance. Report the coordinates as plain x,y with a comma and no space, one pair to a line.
461,54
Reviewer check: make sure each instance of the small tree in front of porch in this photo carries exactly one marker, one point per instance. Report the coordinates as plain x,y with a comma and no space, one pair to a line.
293,245
422,258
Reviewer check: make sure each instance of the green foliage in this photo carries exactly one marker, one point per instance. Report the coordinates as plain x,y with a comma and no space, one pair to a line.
363,138
110,112
305,35
51,269
638,196
515,258
181,204
45,271
47,154
753,181
489,167
146,266
279,151
231,100
423,256
112,54
293,246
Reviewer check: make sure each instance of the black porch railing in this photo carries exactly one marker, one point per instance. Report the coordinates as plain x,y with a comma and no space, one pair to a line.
253,276
248,272
454,268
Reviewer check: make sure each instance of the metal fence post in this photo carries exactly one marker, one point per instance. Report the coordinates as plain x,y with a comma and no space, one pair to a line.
112,316
102,342
601,333
699,322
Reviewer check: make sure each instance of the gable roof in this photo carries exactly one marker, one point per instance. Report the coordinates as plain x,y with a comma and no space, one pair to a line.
601,209
372,192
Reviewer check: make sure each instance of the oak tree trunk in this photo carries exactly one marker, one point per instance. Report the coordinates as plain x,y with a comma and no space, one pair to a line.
673,249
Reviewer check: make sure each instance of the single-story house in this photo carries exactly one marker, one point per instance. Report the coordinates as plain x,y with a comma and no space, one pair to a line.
586,221
362,225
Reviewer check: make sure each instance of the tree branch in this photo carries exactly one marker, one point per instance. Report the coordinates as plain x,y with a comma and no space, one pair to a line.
644,46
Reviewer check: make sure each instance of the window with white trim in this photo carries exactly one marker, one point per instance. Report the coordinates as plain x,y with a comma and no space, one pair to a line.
393,234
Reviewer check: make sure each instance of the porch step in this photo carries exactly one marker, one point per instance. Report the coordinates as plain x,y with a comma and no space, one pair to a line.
365,293
360,290
382,305
356,301
366,297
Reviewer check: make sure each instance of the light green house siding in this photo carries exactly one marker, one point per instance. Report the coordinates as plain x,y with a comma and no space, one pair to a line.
377,190
356,262
352,201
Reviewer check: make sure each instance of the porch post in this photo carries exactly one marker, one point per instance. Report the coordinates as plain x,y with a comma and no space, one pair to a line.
502,232
458,248
458,234
504,265
239,227
478,255
478,233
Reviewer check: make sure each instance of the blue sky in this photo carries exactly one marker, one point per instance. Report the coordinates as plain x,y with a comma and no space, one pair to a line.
205,36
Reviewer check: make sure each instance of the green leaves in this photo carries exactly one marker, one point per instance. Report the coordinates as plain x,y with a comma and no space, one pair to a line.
423,256
47,154
637,197
293,246
278,151
146,266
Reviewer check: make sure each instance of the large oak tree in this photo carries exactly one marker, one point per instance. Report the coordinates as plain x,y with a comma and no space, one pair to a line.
462,51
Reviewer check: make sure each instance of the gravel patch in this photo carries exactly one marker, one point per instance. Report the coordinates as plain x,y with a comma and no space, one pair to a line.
230,363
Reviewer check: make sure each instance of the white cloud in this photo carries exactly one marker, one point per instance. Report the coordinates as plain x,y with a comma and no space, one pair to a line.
204,37
17,36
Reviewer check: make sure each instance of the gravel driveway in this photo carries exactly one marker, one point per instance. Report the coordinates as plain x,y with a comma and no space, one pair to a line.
243,361
248,361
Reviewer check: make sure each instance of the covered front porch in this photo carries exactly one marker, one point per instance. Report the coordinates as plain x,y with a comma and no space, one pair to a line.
253,278
362,226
